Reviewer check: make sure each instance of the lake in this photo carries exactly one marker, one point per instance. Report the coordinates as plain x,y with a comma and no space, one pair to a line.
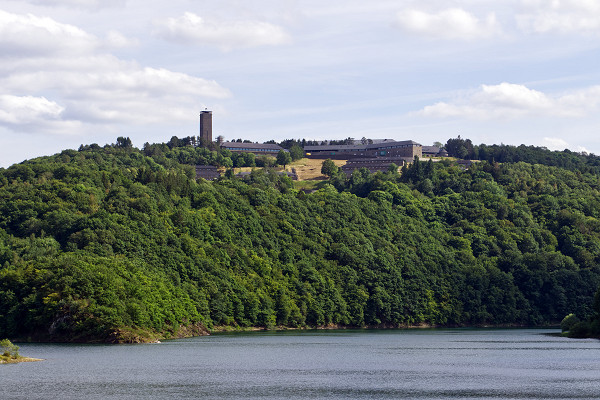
351,364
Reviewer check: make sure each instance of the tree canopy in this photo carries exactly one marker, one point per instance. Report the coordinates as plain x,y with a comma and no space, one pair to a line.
113,244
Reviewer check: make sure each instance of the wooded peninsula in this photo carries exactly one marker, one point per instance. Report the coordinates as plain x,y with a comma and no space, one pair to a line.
118,244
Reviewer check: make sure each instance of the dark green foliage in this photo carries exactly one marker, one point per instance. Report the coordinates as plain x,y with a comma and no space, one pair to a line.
329,168
284,158
461,148
102,239
568,322
296,152
587,328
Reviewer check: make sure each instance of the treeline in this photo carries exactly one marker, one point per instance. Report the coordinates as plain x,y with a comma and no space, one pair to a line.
109,242
464,148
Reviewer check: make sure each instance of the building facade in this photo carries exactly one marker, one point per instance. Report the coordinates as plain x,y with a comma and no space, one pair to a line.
374,164
208,172
434,151
388,148
256,148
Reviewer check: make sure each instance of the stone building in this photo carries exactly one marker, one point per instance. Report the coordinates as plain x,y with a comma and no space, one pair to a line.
388,148
256,148
374,164
208,172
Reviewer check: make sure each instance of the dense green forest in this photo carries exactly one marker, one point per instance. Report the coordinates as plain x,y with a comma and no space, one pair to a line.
115,244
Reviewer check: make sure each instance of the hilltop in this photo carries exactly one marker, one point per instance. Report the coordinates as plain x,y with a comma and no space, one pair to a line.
117,244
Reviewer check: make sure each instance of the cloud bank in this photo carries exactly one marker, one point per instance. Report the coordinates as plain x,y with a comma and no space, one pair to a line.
508,100
81,83
561,16
453,23
84,4
191,28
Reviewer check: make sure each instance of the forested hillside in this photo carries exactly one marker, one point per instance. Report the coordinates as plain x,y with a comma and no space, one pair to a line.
114,243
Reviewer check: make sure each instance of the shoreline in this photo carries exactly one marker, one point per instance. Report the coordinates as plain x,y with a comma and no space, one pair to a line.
20,360
136,336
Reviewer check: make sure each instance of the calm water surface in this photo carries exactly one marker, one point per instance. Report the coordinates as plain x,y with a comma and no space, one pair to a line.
413,364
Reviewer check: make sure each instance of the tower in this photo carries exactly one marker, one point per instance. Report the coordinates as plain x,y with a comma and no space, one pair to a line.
206,125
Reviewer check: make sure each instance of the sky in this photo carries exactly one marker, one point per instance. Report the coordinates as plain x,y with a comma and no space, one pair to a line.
515,72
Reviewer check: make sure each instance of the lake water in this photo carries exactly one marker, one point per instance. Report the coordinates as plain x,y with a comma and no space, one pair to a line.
391,364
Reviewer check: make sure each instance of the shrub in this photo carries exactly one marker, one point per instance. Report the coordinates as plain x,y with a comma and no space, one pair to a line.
581,329
568,322
8,349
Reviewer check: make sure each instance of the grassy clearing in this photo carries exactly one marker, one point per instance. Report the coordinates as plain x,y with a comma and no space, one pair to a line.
310,169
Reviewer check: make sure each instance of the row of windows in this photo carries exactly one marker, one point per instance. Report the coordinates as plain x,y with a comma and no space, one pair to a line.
376,149
396,147
242,149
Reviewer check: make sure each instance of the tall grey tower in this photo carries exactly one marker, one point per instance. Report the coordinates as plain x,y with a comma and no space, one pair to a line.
206,125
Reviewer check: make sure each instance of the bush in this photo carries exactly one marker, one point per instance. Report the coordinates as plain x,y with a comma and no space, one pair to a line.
581,329
568,322
8,349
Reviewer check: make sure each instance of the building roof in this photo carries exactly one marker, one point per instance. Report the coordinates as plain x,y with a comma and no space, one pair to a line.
357,147
240,145
377,160
431,149
207,172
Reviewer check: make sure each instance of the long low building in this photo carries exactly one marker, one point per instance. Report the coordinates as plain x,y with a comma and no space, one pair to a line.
256,148
374,164
407,148
208,172
434,151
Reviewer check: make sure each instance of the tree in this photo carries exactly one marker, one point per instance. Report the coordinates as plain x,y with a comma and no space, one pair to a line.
284,158
7,349
174,142
296,152
568,322
123,143
460,148
329,168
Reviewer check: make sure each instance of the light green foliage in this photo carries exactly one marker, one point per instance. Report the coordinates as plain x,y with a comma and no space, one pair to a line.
296,152
329,168
7,349
567,323
284,158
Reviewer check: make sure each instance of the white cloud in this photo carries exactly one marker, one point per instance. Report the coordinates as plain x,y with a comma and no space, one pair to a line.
555,143
29,35
34,113
93,4
508,100
191,28
563,16
58,73
116,39
453,23
559,144
25,109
